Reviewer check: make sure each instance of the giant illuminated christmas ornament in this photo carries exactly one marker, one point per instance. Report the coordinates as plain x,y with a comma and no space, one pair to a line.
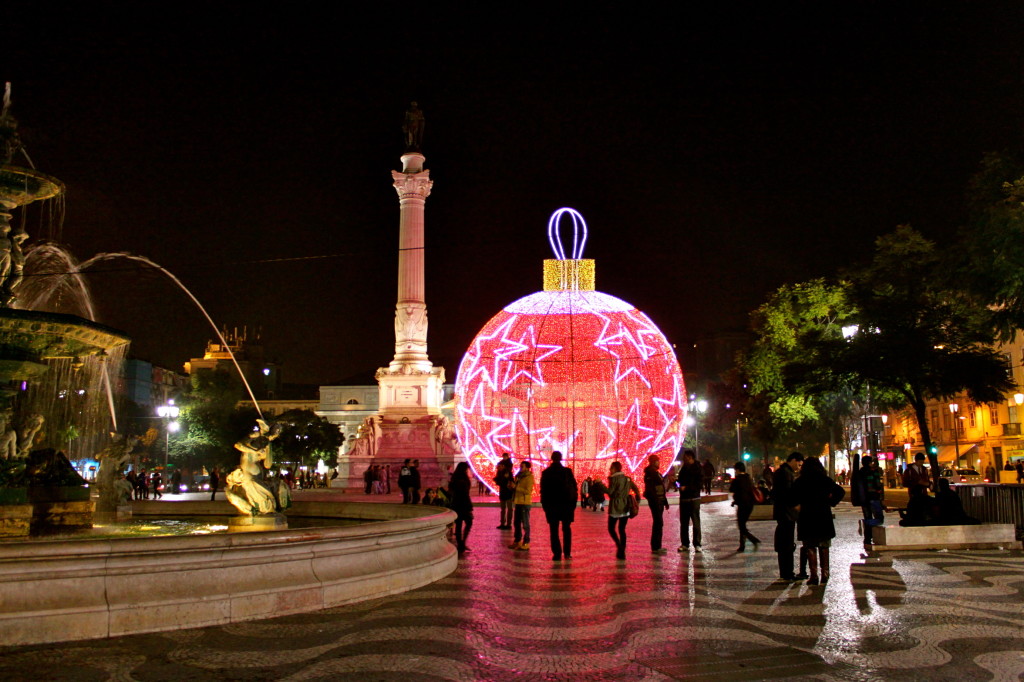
570,369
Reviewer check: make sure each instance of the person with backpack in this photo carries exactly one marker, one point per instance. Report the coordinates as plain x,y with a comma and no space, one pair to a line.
620,508
523,499
742,489
558,494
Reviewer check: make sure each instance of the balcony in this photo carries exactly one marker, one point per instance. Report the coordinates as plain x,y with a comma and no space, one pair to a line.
1012,429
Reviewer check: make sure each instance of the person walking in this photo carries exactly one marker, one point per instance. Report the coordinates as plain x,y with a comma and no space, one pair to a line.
523,500
742,489
1020,471
157,480
657,501
503,481
817,494
214,483
689,480
558,496
462,505
619,488
708,471
785,513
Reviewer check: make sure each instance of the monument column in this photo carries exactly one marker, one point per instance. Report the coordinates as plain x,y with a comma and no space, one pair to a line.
410,386
408,423
413,185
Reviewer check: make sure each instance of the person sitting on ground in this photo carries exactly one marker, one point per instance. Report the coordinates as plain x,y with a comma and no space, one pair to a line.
949,510
919,511
429,497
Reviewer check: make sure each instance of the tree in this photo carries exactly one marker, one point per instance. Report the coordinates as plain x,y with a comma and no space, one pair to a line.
991,247
306,437
212,421
789,367
919,337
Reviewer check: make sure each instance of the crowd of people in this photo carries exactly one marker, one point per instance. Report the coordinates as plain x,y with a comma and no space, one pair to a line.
800,493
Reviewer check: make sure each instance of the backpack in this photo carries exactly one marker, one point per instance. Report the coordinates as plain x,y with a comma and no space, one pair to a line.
571,494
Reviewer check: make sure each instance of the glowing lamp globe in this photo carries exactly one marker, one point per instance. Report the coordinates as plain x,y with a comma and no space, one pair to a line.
570,369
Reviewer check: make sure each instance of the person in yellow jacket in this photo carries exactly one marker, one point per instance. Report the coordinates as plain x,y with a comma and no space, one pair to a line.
523,500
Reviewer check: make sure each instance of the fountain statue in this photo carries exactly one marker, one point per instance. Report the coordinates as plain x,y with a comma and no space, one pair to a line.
110,478
258,496
41,354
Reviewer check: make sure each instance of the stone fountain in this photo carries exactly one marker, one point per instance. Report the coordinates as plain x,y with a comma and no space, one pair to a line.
40,491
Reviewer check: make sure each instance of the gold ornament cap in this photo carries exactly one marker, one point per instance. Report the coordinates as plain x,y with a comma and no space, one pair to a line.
574,273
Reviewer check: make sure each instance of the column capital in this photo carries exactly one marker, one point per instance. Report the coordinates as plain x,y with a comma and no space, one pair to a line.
412,185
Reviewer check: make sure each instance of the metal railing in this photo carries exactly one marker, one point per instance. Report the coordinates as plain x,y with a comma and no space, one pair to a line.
994,503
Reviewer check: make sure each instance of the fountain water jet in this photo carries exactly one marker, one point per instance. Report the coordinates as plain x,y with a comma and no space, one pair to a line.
52,262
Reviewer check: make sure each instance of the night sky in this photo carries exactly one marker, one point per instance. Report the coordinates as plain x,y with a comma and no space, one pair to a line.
715,156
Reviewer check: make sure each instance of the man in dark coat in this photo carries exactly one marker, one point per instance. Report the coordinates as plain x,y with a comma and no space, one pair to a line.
654,493
785,513
414,482
708,470
690,480
558,495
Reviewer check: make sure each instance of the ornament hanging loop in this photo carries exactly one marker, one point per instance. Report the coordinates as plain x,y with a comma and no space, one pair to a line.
579,233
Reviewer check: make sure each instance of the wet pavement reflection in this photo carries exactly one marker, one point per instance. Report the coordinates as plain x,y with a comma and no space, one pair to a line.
698,614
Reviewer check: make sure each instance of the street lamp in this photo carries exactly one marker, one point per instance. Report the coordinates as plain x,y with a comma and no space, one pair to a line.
701,406
168,413
954,409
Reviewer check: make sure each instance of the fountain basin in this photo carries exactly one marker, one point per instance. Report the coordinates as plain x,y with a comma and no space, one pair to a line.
29,336
87,589
20,186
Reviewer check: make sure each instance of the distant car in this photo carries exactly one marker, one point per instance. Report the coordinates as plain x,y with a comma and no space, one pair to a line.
721,481
200,484
955,476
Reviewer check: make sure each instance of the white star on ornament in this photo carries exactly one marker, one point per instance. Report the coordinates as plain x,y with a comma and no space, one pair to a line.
531,369
677,405
632,422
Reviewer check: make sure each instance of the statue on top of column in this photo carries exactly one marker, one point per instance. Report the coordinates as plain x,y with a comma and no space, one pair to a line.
413,128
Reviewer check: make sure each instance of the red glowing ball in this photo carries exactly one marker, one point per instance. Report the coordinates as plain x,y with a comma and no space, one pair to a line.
576,371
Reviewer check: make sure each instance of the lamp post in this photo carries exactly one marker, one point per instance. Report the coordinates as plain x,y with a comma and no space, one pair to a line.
701,406
168,413
954,410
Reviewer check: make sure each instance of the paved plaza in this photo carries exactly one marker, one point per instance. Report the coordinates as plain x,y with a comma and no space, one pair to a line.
701,615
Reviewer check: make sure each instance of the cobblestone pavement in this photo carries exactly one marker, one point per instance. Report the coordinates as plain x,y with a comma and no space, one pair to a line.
712,614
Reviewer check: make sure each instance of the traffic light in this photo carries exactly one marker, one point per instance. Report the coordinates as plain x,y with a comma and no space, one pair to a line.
746,456
933,449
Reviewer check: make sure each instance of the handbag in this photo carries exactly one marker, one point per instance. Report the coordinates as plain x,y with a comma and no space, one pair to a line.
633,505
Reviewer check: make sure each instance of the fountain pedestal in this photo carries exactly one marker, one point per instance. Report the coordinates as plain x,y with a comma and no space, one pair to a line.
255,524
